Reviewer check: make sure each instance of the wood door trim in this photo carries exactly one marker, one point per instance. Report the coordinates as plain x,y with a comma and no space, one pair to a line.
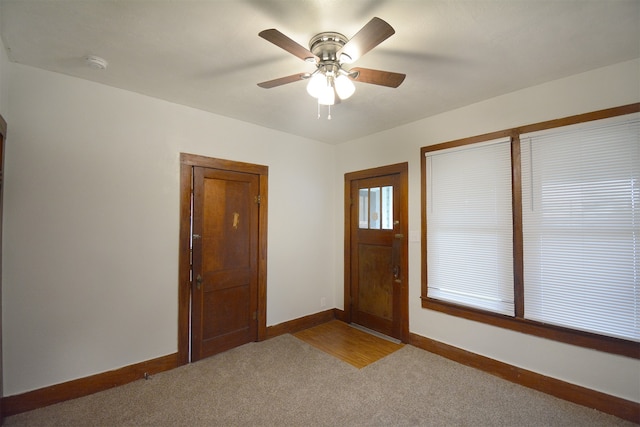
3,137
231,165
401,169
187,162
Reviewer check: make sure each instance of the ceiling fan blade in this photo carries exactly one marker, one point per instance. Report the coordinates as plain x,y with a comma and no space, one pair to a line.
371,35
377,77
284,80
276,37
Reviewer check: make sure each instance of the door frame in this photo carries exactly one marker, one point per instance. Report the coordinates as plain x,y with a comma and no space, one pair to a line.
3,137
187,163
401,169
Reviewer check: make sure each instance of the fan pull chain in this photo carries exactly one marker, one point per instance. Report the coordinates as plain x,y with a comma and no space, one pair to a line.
328,109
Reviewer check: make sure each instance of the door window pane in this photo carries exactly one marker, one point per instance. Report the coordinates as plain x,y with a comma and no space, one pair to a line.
363,208
387,208
374,208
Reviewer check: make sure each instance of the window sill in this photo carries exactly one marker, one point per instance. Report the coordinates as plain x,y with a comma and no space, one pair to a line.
556,333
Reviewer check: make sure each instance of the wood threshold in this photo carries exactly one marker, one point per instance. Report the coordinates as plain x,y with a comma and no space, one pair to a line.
347,343
603,402
16,404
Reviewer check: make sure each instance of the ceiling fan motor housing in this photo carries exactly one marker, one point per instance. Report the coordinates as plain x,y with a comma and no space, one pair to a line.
326,45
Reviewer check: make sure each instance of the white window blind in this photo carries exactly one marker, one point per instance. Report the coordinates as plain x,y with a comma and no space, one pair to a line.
581,226
469,226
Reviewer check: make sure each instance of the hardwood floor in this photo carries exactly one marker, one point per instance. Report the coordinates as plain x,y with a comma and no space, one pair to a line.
347,343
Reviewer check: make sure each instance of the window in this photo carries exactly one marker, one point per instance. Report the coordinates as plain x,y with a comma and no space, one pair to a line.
375,208
469,222
581,227
537,229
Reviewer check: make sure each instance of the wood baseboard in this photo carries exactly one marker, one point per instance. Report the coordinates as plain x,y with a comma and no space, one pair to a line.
46,396
297,325
19,403
339,314
603,402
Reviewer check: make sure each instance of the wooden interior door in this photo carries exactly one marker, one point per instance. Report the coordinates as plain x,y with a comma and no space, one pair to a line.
225,260
377,251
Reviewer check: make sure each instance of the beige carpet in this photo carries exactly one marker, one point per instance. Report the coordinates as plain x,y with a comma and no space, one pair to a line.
287,382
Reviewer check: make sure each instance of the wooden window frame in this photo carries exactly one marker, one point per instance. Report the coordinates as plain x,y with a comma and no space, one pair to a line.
518,322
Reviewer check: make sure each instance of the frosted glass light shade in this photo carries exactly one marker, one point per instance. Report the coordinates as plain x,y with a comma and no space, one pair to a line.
316,85
327,96
344,87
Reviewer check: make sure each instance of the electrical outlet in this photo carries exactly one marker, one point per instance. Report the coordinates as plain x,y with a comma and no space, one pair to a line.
323,302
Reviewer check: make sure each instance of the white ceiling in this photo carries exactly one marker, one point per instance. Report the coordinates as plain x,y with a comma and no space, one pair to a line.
207,54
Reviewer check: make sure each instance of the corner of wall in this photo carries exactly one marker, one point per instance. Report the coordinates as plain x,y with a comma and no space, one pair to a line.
4,65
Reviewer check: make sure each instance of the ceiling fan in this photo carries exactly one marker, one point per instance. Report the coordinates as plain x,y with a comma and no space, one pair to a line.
329,51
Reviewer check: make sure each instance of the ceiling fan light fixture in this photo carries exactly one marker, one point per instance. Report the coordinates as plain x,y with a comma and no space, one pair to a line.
316,84
344,87
328,95
329,51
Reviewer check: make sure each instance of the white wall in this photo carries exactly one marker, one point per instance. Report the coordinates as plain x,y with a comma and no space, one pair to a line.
91,223
4,60
598,89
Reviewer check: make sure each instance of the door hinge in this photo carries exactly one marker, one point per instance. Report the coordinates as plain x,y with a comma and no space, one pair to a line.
255,315
258,199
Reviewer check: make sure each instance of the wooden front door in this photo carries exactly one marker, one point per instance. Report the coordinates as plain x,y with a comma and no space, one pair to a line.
227,231
377,250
